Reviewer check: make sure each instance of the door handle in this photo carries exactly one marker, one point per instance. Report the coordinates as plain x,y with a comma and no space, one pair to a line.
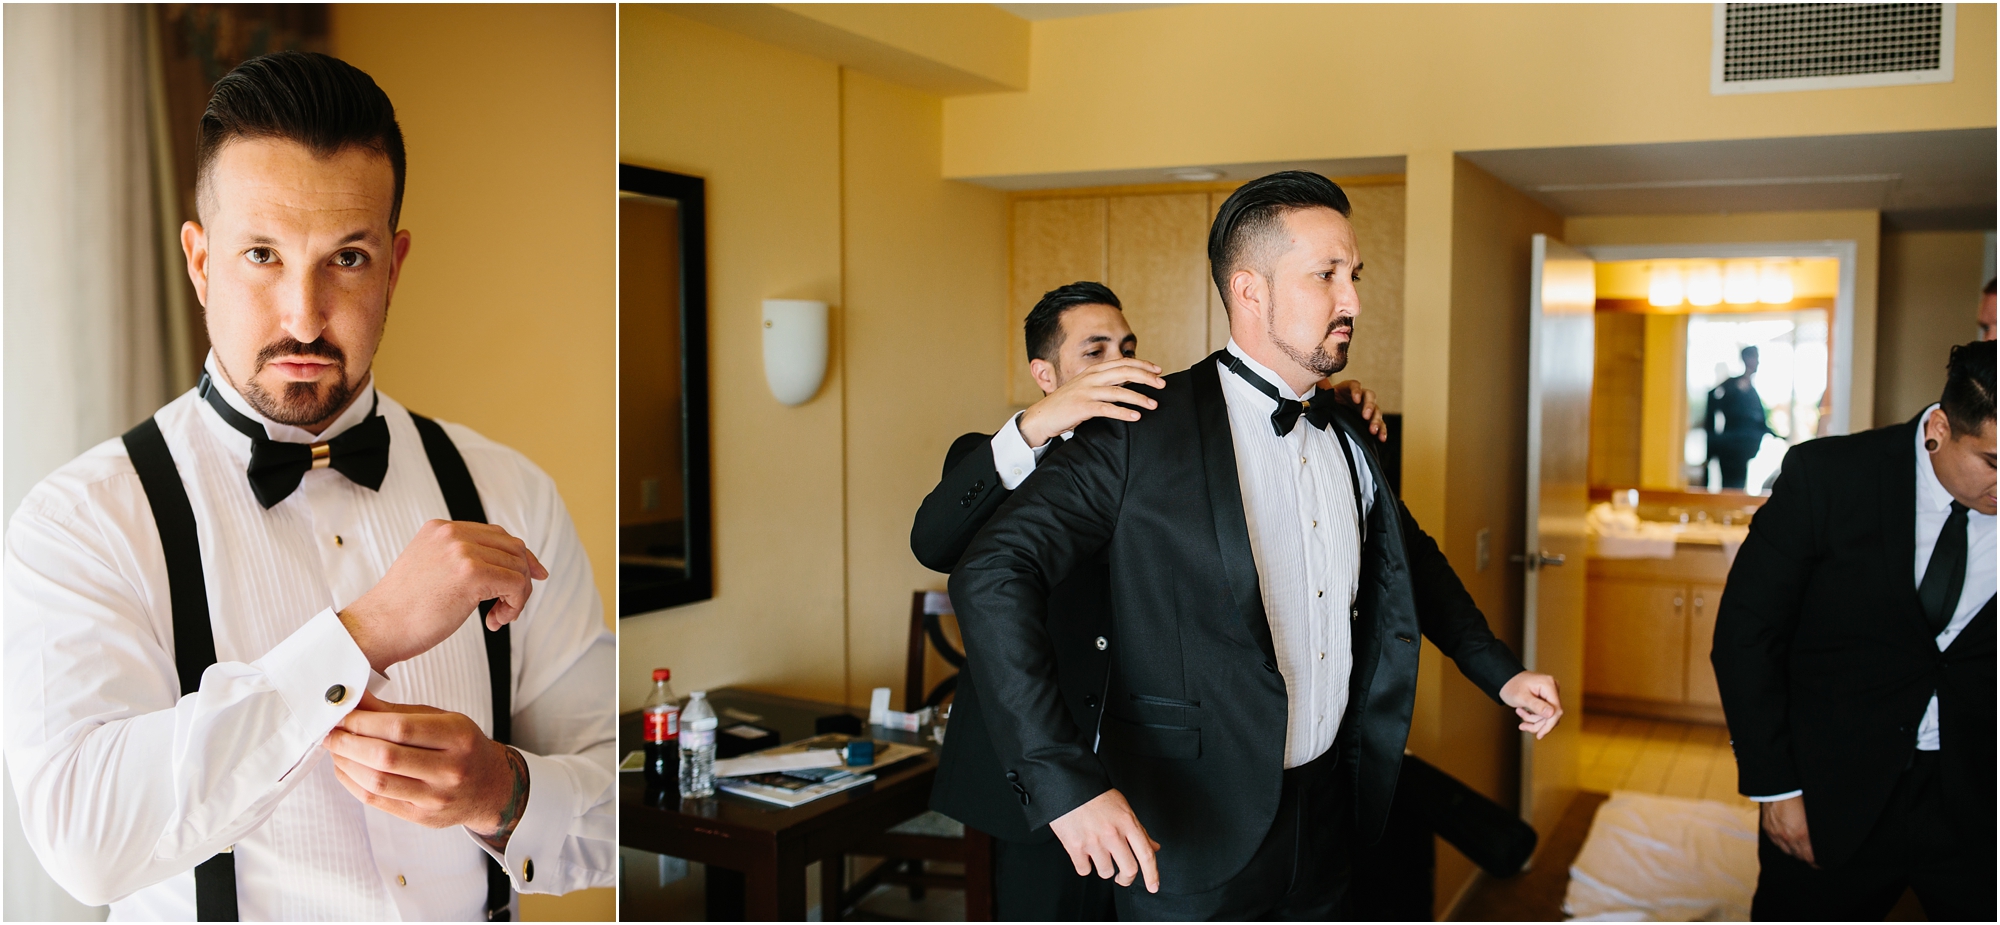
1542,559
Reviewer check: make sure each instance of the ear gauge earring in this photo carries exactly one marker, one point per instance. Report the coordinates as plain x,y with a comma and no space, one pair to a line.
1931,444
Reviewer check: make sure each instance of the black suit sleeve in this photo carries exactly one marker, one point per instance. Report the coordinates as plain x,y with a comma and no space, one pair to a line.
1448,616
1754,626
1053,523
964,498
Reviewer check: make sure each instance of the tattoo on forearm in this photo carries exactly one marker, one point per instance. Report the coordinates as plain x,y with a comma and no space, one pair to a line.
510,814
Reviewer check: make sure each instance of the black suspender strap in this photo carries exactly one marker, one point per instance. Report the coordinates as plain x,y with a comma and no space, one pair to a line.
187,588
461,498
1354,478
194,639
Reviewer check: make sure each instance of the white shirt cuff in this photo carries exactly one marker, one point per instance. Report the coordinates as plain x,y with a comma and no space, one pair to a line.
1013,458
535,850
1782,796
320,672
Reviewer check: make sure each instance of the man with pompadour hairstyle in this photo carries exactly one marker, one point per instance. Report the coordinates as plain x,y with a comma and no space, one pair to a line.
1266,596
287,650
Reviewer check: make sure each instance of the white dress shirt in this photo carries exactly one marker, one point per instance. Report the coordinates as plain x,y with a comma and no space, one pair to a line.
1933,508
125,782
1305,535
1013,458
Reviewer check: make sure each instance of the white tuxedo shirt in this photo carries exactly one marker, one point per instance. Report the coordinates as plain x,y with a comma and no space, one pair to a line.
126,782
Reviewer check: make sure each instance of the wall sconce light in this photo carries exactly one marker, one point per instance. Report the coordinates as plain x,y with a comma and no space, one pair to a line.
794,348
1774,283
1666,289
1704,284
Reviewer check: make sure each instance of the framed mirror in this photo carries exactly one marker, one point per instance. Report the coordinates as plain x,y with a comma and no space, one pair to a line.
665,540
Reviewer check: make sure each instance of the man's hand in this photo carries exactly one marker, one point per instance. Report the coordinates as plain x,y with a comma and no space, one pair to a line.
439,578
431,767
1350,390
1094,393
1533,697
1106,833
1785,823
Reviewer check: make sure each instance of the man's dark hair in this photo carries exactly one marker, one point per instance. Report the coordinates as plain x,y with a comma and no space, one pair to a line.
1747,352
1256,210
1989,287
1045,334
1968,388
315,100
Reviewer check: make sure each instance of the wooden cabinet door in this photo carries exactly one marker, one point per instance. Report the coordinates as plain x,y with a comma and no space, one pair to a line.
1702,601
1157,263
1055,242
1635,640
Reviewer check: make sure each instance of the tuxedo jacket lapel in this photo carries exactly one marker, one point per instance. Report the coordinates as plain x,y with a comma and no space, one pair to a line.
1225,502
1899,520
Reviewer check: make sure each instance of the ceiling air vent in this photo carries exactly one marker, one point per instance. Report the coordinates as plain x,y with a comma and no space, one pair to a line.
1773,47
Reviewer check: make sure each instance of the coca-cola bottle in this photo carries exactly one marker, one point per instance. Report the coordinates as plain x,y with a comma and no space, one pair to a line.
662,718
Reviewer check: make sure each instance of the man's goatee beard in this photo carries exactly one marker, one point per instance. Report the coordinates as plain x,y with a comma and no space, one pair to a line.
301,403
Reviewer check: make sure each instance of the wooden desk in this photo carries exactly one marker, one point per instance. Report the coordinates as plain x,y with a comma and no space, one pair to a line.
756,852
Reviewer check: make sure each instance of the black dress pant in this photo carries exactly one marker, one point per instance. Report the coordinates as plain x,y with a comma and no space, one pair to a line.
1734,468
1035,882
1914,845
1299,873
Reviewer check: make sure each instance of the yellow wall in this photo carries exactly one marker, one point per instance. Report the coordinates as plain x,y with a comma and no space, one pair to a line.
1230,83
823,183
1460,729
761,125
1929,301
504,317
1863,227
927,343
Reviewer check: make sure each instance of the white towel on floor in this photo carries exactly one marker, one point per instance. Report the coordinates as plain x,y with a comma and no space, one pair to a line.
1665,859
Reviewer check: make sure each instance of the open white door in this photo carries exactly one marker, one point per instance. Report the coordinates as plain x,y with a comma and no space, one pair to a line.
1562,345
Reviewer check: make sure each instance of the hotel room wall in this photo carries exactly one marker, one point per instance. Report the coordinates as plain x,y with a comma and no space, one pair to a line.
1222,84
503,319
1457,727
1861,226
926,350
823,183
762,126
1929,301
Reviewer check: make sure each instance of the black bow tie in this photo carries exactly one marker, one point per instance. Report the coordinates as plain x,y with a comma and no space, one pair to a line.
1287,414
361,452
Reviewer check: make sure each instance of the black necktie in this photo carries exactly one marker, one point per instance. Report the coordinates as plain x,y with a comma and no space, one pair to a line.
361,452
1944,577
1287,414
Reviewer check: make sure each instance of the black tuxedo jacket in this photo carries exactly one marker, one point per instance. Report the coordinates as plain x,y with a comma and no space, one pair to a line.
1194,723
1823,655
972,786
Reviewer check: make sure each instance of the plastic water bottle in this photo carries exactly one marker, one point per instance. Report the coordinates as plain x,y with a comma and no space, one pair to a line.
698,747
663,729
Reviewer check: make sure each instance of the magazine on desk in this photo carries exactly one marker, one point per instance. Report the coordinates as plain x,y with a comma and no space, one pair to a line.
799,786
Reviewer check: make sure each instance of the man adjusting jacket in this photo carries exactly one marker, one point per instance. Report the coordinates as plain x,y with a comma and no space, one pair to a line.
1267,592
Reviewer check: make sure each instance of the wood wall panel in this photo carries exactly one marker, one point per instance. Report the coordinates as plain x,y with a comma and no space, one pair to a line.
1054,242
1150,245
1157,263
1218,317
1617,400
1376,356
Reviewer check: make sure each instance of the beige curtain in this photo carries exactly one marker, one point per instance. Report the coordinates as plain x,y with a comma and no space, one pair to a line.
86,343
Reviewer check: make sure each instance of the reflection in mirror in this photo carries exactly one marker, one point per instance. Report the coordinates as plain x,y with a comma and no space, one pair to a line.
663,480
1679,401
